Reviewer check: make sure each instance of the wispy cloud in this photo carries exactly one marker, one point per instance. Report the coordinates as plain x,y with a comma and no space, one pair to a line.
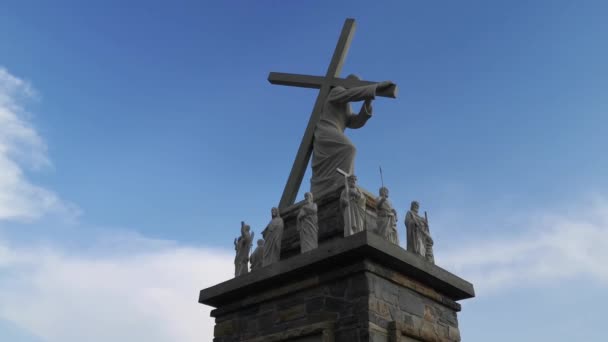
147,295
22,147
123,286
553,247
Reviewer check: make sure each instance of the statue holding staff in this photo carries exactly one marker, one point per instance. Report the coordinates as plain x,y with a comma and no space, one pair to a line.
419,239
386,217
242,245
352,205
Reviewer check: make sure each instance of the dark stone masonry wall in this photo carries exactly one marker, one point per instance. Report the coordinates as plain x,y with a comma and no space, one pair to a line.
336,300
360,302
415,310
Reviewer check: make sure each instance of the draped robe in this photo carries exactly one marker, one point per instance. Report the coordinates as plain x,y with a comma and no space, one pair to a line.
307,226
272,241
386,221
241,261
352,203
331,148
257,258
418,238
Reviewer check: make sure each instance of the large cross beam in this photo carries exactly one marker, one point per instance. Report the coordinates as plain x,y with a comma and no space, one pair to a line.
324,83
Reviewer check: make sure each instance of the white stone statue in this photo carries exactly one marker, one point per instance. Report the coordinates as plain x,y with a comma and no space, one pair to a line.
272,239
386,217
419,239
242,245
331,148
352,204
257,257
306,224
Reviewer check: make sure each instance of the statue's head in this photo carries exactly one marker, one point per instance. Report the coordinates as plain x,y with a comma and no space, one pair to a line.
353,77
308,197
415,206
274,212
261,242
352,180
383,191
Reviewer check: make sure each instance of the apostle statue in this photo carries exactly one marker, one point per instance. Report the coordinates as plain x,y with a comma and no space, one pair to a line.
419,239
242,245
352,204
273,233
386,217
331,148
257,256
307,224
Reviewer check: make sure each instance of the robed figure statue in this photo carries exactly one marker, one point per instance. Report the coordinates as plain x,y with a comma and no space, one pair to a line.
352,203
242,245
419,239
331,148
386,217
257,257
307,224
272,239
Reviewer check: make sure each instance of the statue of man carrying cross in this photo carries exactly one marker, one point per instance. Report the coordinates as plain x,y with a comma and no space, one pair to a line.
331,148
324,136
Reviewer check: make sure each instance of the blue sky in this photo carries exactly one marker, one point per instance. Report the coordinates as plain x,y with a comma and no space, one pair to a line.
135,137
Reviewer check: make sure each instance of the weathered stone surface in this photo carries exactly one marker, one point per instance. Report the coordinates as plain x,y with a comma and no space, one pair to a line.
315,305
410,302
291,313
453,334
338,289
225,328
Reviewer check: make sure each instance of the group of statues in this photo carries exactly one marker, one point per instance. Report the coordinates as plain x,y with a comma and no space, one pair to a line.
352,205
268,250
353,202
333,151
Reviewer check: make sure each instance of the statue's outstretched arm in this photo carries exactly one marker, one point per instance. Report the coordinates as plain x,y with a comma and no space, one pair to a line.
343,95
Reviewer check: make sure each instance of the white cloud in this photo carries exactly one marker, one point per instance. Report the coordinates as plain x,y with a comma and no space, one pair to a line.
555,247
125,288
21,146
141,296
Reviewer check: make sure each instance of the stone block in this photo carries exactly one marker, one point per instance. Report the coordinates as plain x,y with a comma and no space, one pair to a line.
338,289
410,302
358,286
291,313
314,305
336,305
225,328
453,333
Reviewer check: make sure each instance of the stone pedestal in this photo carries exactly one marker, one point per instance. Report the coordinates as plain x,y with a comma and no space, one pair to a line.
353,289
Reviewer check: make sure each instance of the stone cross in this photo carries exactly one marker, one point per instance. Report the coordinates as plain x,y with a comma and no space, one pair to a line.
324,83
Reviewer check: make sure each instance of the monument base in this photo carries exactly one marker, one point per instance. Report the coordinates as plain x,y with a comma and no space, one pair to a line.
359,288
